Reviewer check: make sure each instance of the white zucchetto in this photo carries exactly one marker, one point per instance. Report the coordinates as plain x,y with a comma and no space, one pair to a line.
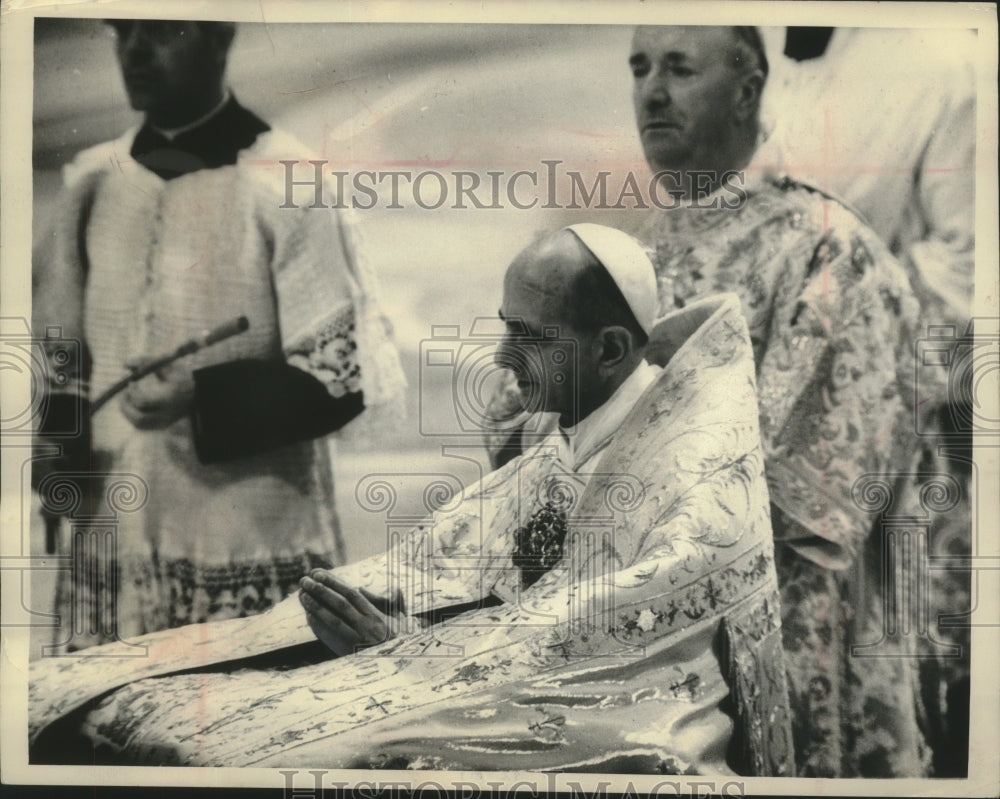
626,261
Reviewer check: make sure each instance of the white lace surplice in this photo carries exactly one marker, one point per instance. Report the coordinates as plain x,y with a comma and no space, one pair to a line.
164,261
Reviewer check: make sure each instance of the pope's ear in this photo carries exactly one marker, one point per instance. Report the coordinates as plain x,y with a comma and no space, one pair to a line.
616,344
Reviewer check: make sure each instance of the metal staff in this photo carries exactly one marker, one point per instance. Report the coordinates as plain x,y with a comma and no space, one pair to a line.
206,339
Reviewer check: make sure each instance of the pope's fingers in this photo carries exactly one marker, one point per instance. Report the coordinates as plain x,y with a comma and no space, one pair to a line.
337,637
355,596
340,636
326,578
392,605
329,619
332,601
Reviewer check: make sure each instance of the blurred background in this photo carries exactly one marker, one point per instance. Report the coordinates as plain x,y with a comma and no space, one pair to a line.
442,97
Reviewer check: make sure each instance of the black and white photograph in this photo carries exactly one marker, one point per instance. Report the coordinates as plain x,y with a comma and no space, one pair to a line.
495,398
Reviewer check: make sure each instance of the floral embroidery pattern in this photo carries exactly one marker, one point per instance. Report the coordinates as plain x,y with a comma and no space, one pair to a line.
706,597
829,312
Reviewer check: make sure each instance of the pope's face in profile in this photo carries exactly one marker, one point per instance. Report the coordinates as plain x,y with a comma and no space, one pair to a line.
540,347
171,68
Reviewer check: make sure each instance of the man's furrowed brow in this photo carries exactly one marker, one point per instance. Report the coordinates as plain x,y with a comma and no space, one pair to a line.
671,58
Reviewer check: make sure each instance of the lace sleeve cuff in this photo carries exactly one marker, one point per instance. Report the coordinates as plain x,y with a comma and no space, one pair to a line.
331,354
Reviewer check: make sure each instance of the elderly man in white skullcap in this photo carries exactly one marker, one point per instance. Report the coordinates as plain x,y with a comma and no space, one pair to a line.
597,286
606,600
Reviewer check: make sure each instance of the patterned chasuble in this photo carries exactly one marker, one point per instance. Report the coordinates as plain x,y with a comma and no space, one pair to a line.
138,264
652,646
832,322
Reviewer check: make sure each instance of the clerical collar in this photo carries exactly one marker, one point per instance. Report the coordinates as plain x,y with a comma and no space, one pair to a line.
211,142
171,133
580,442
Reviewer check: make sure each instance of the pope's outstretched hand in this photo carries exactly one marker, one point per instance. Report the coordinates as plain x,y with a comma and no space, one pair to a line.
346,619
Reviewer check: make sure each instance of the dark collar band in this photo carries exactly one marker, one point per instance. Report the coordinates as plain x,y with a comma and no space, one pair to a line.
213,144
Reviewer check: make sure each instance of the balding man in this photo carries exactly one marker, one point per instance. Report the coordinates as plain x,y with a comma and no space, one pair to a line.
697,93
173,229
606,601
832,320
